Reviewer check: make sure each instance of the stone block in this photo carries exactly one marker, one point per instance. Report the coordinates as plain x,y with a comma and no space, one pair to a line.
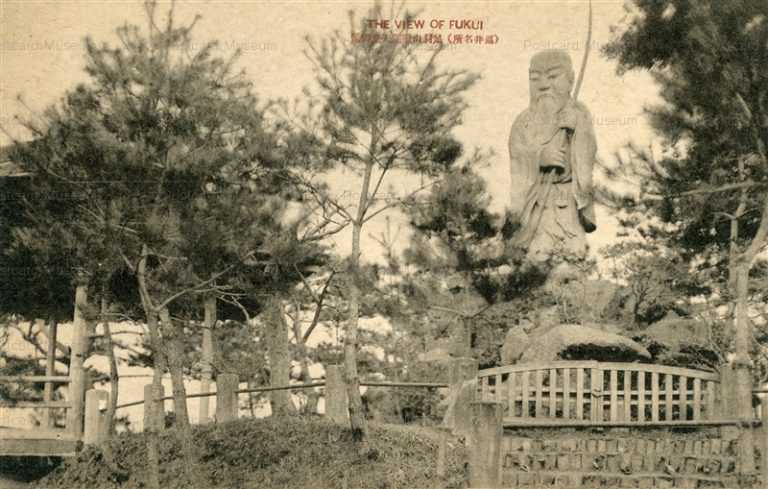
568,445
645,483
649,463
612,481
686,483
689,447
523,459
677,462
628,482
678,446
513,443
650,448
509,479
612,446
592,481
715,446
576,462
508,460
591,446
526,479
639,446
662,483
547,479
730,481
612,463
591,463
564,481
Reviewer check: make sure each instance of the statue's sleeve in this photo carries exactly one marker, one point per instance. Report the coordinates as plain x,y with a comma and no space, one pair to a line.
583,156
523,165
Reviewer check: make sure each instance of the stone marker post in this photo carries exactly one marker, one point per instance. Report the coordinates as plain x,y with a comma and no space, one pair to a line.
462,374
336,402
93,433
728,404
226,397
485,445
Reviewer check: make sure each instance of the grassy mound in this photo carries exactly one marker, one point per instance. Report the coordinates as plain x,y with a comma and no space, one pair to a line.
270,454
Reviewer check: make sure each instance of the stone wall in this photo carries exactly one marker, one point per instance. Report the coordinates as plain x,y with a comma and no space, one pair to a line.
582,460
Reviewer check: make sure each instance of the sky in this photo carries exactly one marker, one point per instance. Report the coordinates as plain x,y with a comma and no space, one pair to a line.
42,56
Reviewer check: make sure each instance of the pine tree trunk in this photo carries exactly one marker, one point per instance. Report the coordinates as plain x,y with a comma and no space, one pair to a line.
175,355
742,366
114,389
158,416
356,415
276,332
114,379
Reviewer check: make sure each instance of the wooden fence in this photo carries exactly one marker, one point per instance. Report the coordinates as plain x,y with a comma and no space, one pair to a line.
595,393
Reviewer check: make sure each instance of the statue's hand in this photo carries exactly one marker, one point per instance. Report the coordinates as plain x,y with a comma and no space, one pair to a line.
567,117
553,155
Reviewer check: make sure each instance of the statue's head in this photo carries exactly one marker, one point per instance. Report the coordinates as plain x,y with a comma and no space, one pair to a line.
551,79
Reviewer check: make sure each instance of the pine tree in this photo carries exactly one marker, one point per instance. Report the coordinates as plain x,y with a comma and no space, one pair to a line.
384,107
708,59
176,174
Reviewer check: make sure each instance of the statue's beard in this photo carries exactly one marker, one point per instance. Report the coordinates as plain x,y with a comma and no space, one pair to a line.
544,109
548,104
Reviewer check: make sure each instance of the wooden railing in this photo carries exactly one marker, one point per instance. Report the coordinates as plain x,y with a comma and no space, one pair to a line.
227,392
36,379
593,393
47,439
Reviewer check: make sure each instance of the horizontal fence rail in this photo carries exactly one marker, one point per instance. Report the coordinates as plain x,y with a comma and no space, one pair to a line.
596,393
432,385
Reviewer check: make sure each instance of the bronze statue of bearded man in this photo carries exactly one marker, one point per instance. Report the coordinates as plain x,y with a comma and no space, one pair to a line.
552,150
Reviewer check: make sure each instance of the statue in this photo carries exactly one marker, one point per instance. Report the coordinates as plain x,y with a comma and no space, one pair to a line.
552,149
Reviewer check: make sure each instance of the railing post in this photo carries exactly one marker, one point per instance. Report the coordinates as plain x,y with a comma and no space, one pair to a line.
596,379
207,357
336,402
460,370
764,432
226,397
93,433
485,445
154,411
728,405
77,382
461,393
48,420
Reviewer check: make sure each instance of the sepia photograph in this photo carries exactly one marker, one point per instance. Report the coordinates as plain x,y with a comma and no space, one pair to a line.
383,244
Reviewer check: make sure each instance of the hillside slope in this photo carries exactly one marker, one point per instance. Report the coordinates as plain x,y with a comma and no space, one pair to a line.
274,454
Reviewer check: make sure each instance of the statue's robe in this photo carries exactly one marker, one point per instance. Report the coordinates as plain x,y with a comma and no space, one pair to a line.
555,209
